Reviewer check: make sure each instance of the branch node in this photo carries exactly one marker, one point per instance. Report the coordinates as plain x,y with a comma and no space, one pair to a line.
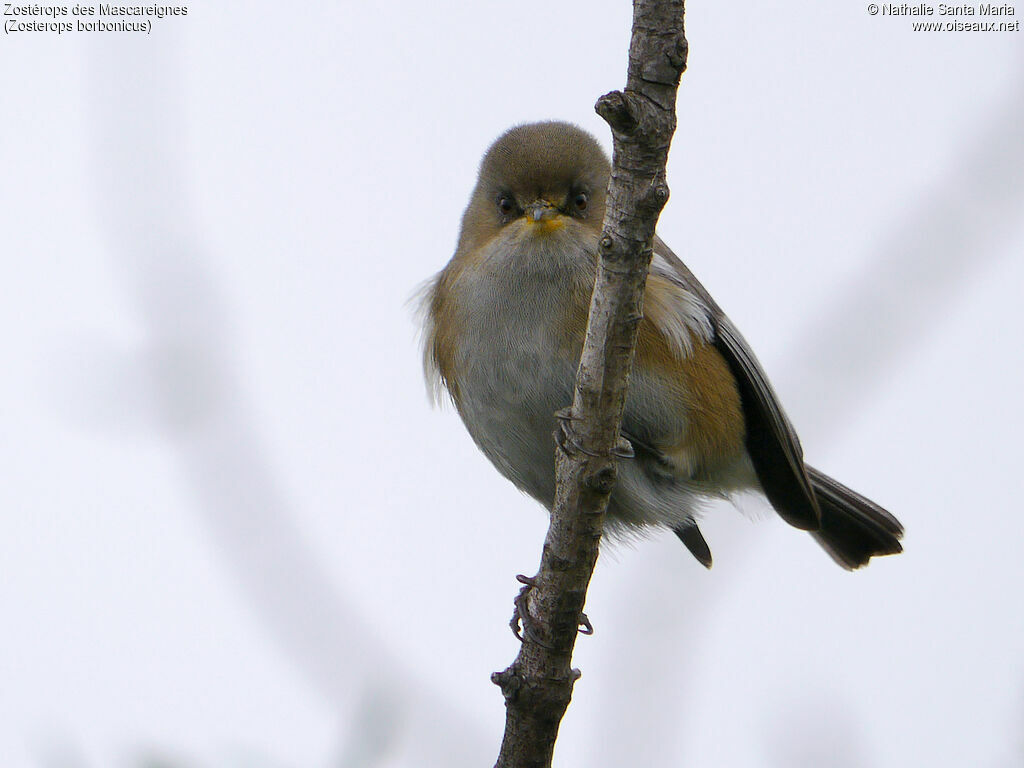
509,681
677,57
617,110
602,481
634,317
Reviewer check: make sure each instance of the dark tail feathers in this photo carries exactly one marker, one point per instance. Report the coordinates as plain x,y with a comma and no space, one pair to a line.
853,529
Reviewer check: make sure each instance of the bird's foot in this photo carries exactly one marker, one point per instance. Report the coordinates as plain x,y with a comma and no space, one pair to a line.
521,614
565,438
522,623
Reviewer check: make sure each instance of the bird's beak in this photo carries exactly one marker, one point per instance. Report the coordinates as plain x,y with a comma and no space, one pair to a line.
541,210
544,216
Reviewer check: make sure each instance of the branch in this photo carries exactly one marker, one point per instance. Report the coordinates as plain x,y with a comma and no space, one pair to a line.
538,685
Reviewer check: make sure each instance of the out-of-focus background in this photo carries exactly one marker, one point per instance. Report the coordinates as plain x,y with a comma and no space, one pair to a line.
235,534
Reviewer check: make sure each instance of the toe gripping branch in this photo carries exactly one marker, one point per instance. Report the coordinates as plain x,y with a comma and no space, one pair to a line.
565,438
521,616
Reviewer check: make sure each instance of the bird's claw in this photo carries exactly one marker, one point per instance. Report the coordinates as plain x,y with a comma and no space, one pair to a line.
586,628
522,623
566,414
521,614
623,449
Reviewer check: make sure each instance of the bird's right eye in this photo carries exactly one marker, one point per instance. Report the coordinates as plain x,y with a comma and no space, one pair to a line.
506,205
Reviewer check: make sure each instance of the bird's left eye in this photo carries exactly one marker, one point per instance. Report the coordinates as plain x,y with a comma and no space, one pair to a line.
580,201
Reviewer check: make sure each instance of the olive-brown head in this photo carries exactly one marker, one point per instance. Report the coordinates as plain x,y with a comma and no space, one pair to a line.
538,176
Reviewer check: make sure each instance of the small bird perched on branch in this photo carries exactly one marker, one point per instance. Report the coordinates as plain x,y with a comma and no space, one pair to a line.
505,322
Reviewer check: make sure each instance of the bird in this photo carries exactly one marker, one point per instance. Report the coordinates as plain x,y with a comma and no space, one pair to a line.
503,328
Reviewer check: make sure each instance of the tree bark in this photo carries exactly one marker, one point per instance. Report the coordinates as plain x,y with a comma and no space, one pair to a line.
538,685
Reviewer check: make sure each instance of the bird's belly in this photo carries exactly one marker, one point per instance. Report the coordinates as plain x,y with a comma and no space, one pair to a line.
507,398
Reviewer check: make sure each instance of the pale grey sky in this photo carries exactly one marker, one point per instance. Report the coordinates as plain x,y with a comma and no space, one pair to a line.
235,533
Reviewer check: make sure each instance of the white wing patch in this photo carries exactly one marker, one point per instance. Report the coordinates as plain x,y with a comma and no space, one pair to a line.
689,316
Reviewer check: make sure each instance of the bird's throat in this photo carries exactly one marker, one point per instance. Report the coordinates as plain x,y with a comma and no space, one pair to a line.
545,226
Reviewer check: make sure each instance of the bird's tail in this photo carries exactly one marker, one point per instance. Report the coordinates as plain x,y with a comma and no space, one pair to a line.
853,529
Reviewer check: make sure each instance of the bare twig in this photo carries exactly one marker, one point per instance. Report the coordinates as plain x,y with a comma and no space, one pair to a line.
538,685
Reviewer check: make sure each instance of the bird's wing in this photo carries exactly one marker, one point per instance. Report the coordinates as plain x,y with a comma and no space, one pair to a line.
772,442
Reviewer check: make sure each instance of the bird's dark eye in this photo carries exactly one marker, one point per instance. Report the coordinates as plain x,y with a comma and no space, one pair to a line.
506,205
580,201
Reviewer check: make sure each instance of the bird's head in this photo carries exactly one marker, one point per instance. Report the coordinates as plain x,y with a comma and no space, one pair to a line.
539,180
